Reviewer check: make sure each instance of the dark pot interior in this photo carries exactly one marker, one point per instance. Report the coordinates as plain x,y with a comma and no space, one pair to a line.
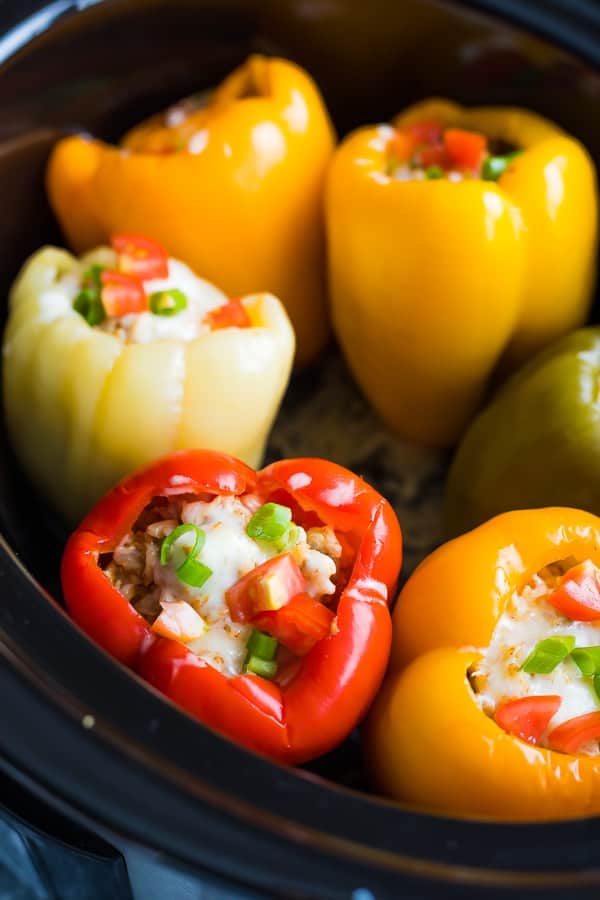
102,68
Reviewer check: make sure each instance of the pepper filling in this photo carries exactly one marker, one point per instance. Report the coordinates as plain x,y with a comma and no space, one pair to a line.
234,579
428,151
540,676
136,293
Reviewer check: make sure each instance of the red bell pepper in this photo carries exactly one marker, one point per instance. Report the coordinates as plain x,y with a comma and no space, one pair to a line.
334,683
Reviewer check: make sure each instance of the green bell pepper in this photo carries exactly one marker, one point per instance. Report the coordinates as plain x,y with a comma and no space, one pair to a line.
538,441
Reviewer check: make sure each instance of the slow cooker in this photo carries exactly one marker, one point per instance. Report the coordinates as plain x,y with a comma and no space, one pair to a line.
108,791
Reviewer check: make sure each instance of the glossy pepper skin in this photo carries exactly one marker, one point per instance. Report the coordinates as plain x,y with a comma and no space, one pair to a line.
538,441
83,407
433,283
427,740
242,206
336,680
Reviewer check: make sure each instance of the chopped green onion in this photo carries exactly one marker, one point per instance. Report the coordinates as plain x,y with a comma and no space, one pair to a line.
547,655
291,537
92,277
167,303
434,172
270,523
587,659
89,305
597,685
167,544
191,571
262,645
495,166
265,667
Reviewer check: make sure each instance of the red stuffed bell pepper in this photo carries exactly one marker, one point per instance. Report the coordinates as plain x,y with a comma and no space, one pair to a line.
258,602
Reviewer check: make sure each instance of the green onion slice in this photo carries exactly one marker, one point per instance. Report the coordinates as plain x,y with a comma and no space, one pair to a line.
92,277
270,523
167,303
495,166
265,667
191,571
89,305
596,683
587,659
547,655
262,645
434,172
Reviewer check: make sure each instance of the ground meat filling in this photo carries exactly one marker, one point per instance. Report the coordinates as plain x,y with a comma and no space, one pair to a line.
151,580
507,670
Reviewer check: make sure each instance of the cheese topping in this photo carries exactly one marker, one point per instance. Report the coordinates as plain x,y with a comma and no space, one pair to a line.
498,676
144,327
138,573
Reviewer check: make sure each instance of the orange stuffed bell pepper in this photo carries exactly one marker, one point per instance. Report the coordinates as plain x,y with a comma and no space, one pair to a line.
232,187
457,239
492,705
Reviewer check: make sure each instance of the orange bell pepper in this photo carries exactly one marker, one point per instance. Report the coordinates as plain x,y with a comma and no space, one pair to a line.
428,740
233,188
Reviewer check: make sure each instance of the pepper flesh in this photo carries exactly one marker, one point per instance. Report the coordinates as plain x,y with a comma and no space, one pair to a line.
537,443
99,407
435,283
336,680
245,211
427,739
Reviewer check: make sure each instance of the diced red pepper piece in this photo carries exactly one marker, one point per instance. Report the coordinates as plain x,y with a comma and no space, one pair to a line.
569,736
298,625
140,256
528,717
121,294
231,315
267,587
465,148
578,593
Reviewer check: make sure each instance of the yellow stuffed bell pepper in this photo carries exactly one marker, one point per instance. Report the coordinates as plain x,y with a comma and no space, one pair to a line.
491,707
125,355
232,187
457,238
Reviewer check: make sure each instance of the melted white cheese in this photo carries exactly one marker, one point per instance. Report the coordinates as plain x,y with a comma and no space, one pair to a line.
231,554
142,328
528,619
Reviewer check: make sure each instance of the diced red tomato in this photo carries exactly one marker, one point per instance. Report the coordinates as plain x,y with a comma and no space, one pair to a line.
528,717
435,155
465,148
179,622
267,587
298,625
569,736
122,294
140,256
578,594
425,132
230,315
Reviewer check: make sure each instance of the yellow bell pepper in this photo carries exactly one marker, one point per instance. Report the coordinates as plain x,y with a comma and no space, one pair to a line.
85,405
233,188
428,740
433,282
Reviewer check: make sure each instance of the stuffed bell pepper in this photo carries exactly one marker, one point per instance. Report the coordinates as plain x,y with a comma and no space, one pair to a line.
538,441
459,239
492,707
123,355
231,184
258,602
